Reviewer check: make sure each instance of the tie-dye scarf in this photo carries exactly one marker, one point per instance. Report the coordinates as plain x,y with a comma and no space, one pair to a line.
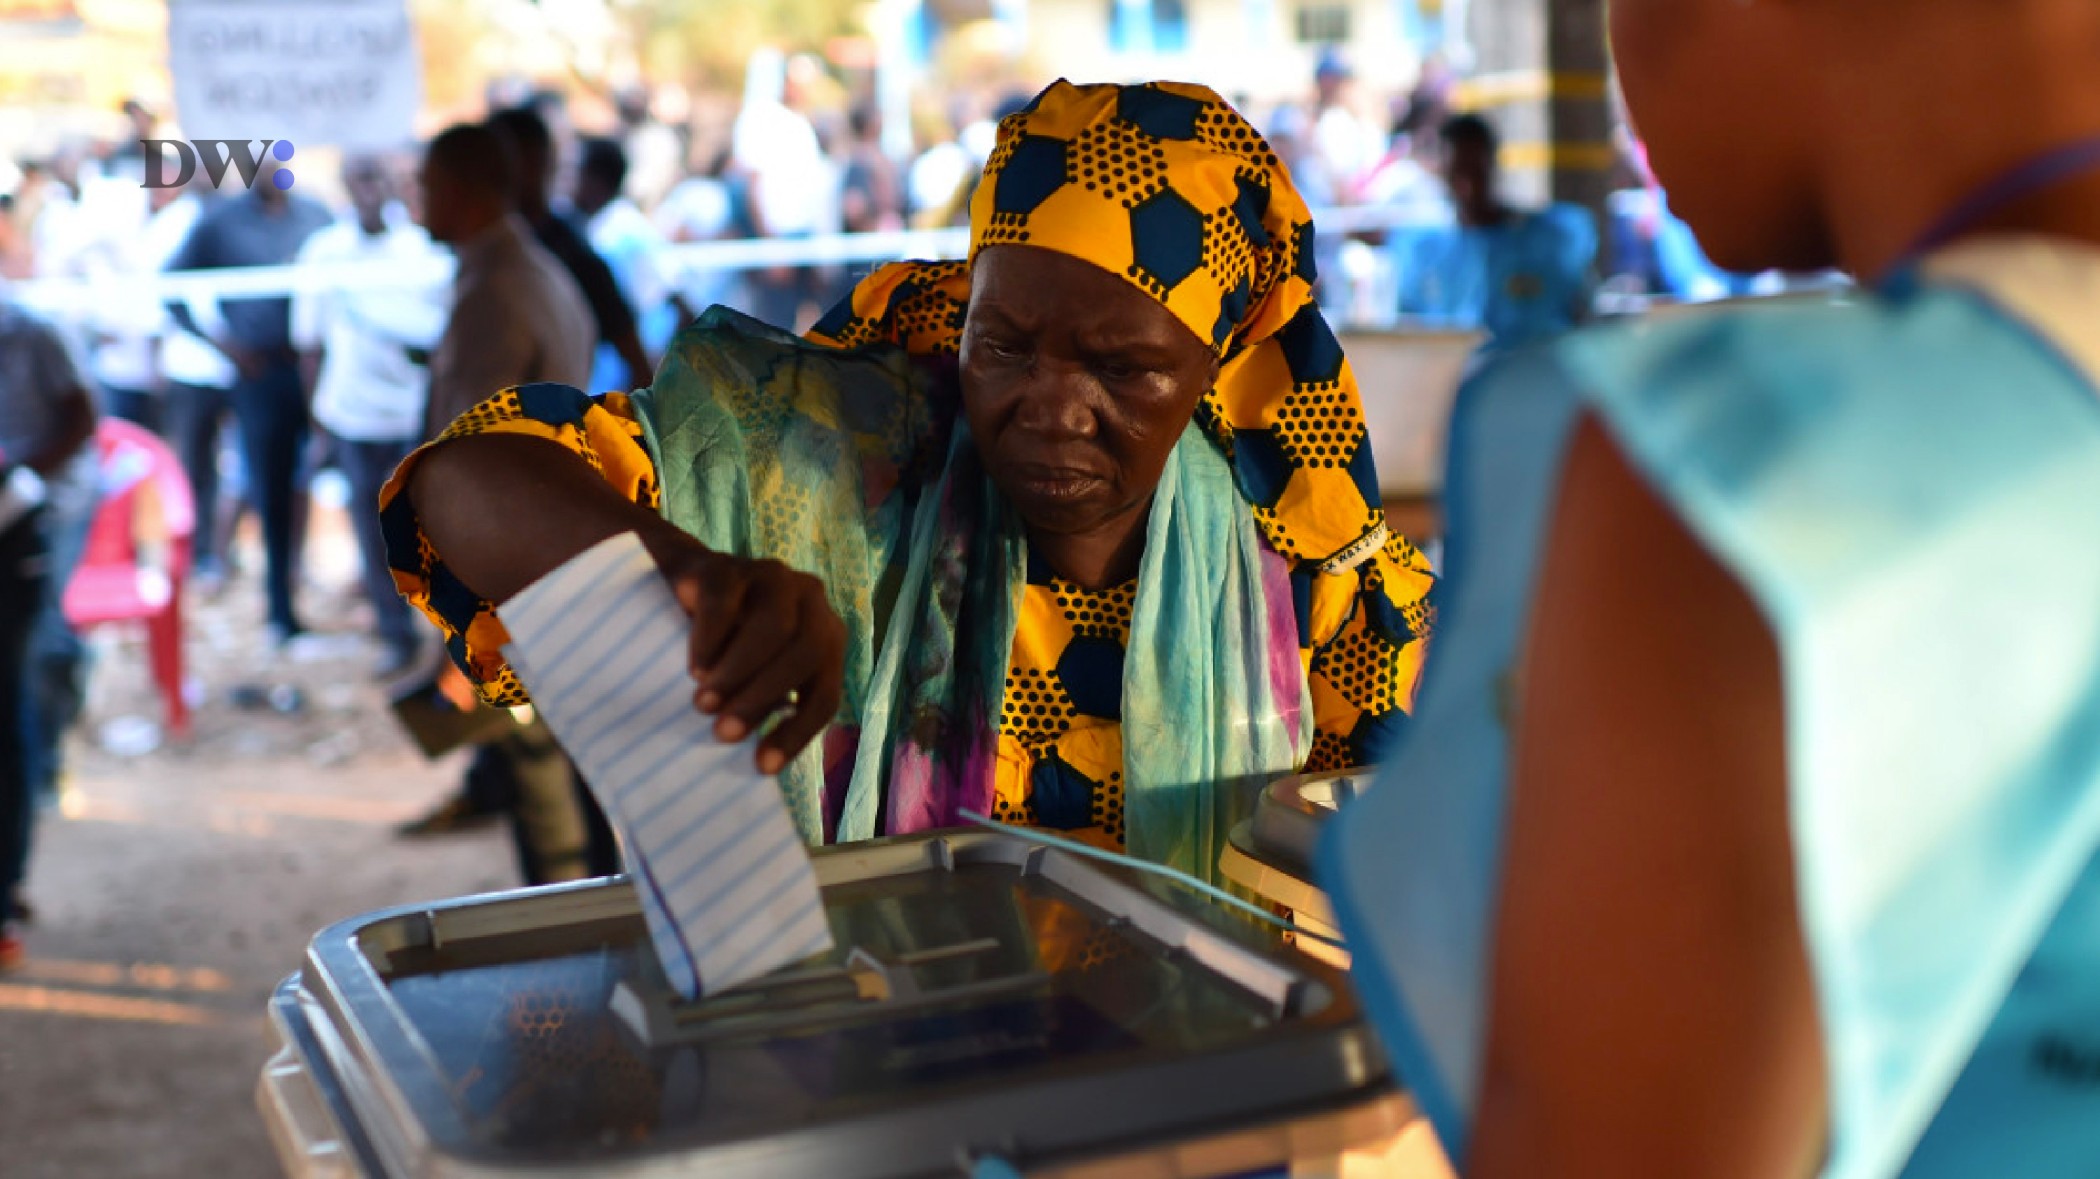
855,467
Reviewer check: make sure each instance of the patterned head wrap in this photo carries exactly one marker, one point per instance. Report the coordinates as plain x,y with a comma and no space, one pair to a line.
1168,187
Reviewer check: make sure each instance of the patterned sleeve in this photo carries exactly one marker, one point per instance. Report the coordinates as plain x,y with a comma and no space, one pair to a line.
1363,676
917,305
603,430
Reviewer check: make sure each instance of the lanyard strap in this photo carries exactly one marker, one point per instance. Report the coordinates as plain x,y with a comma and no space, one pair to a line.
2037,175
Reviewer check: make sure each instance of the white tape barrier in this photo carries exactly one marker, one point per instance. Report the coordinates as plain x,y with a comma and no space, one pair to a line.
67,298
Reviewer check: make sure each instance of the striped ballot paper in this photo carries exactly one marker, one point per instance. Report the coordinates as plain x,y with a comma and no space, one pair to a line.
725,881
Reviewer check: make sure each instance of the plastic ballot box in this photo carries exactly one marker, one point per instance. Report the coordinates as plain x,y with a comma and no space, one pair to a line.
992,1007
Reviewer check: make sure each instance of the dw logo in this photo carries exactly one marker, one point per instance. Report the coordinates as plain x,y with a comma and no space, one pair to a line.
216,155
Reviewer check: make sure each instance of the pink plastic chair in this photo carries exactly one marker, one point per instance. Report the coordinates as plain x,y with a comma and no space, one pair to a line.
111,585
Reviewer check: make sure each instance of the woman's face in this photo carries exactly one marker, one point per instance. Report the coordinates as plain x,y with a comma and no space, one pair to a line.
1725,95
1076,385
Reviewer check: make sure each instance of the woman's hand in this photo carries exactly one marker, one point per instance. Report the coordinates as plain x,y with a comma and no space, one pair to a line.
765,639
764,636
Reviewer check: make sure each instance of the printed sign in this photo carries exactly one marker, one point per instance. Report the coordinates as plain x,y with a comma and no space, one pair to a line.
313,72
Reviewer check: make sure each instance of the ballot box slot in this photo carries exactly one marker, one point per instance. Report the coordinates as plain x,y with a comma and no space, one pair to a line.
492,949
865,987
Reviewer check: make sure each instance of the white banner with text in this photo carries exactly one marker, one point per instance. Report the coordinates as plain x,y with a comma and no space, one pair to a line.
340,73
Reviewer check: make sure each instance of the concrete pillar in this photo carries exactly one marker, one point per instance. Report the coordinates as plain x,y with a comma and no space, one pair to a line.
1579,63
1540,72
1508,85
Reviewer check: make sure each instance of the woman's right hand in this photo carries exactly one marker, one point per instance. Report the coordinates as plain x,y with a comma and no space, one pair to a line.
764,637
765,640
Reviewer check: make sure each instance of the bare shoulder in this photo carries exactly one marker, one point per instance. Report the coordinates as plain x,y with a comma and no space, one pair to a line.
1652,1008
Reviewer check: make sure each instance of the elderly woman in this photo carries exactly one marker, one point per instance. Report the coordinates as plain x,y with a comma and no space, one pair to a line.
1083,533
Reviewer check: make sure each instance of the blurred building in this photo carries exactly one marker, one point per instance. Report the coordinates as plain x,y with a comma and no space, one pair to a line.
66,65
1261,50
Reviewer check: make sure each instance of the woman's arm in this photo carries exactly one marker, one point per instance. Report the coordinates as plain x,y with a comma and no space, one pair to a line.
1652,1008
507,509
504,510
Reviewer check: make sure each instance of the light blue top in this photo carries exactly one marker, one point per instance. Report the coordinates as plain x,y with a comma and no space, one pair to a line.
630,246
1686,270
1522,280
1909,486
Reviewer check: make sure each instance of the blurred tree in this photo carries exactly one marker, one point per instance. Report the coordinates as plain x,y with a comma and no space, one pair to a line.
449,36
708,41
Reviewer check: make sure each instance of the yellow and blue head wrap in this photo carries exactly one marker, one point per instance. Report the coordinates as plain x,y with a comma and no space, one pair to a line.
1167,186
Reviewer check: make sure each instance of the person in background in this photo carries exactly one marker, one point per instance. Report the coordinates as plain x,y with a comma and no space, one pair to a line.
517,315
130,153
126,324
1518,275
871,194
200,380
1711,853
359,351
403,171
552,107
1686,273
976,142
714,205
36,189
631,247
13,252
1406,187
941,169
871,188
264,226
106,225
775,145
47,422
655,148
1344,145
1405,178
531,145
1336,153
57,228
518,320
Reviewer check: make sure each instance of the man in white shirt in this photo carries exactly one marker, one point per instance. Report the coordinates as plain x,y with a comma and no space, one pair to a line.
360,349
792,184
199,386
713,205
124,325
633,248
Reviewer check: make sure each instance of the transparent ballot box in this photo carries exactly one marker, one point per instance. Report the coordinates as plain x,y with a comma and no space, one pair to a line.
991,1007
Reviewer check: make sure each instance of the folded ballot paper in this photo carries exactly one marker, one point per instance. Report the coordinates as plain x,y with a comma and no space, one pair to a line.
725,883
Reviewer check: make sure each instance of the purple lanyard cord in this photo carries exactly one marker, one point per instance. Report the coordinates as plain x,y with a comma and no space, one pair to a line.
2037,175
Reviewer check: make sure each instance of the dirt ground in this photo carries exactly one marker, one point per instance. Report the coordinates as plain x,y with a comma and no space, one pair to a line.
176,885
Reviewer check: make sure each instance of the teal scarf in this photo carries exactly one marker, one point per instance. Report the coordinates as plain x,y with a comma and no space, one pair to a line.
856,467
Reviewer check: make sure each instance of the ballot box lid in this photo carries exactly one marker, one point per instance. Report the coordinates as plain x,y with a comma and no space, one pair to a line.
987,996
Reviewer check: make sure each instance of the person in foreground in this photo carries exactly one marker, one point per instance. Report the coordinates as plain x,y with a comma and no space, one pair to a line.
1747,825
1082,533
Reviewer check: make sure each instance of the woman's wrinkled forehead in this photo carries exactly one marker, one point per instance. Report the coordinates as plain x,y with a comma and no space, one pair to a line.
1046,293
1164,185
